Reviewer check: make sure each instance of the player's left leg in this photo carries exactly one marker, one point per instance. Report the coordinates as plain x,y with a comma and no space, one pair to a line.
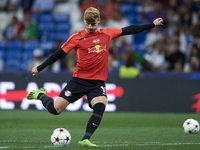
98,105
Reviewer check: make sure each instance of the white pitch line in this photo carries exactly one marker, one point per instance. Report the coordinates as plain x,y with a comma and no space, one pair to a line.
49,146
108,145
4,147
157,143
150,144
5,141
113,145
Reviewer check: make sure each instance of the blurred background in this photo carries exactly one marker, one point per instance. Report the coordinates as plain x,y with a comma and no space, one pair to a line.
31,30
156,72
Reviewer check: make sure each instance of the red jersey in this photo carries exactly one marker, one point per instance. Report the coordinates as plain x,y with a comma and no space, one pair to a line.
92,52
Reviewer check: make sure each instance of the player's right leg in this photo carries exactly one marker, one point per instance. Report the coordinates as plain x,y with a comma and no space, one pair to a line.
53,107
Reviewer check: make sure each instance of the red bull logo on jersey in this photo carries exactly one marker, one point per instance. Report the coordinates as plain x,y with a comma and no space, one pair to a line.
96,41
97,49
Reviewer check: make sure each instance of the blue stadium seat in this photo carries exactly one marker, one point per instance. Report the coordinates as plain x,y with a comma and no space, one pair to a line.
2,54
45,26
45,30
47,45
62,35
31,44
12,65
48,17
14,44
13,54
27,54
47,36
140,37
62,26
24,64
134,18
127,7
62,17
2,44
131,18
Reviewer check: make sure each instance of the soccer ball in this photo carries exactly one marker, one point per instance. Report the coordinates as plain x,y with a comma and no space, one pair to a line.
60,137
191,126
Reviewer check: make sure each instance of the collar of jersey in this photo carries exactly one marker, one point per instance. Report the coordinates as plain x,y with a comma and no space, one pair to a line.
98,30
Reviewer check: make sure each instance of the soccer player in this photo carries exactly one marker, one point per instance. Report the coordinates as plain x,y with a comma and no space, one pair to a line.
92,48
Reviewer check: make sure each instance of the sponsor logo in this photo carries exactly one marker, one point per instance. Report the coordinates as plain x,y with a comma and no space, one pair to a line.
68,93
94,124
96,41
97,49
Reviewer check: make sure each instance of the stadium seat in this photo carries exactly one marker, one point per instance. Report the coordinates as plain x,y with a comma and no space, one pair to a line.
10,54
134,18
12,65
45,26
127,7
2,54
62,26
24,64
131,18
27,54
14,44
45,30
45,17
62,17
2,44
47,45
31,44
62,35
140,37
47,36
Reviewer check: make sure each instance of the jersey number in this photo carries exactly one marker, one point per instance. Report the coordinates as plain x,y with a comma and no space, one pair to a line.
104,90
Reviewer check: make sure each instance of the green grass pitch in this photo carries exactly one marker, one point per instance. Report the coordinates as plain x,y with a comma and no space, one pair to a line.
31,129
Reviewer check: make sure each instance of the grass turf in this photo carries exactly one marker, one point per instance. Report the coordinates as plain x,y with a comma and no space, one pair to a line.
31,129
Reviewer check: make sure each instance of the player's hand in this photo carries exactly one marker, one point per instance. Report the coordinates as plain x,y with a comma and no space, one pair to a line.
34,71
158,21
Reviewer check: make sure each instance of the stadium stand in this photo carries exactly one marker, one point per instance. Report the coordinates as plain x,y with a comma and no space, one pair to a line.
56,24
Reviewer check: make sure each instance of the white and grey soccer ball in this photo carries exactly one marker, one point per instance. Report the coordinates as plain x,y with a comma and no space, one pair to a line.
191,126
60,137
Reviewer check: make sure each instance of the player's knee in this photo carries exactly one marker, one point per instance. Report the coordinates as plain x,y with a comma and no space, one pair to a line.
99,107
100,99
55,113
51,109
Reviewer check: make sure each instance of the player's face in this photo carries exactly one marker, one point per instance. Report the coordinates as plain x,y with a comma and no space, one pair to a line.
91,27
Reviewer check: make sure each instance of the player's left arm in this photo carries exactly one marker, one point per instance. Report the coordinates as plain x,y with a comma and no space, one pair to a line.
132,29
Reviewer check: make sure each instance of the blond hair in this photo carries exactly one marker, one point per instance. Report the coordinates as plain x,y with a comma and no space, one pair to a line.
91,14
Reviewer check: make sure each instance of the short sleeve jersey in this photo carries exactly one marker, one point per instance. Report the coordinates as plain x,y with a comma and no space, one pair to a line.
92,52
